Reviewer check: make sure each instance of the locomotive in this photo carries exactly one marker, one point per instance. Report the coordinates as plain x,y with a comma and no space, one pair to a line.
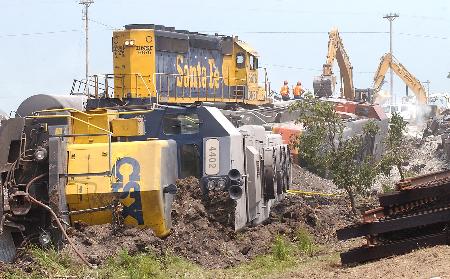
180,67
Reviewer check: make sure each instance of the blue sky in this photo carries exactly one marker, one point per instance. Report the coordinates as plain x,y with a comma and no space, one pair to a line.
47,62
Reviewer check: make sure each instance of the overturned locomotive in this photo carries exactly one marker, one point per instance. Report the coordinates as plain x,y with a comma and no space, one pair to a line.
67,159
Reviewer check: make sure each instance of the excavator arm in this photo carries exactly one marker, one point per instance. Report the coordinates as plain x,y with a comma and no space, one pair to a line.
388,61
381,72
324,84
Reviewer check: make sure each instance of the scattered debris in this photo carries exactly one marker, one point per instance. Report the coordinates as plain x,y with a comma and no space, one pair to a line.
415,215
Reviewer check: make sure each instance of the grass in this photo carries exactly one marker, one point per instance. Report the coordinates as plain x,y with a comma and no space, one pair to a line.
281,249
285,256
305,242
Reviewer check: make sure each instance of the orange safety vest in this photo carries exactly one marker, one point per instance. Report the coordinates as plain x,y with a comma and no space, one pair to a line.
298,90
284,90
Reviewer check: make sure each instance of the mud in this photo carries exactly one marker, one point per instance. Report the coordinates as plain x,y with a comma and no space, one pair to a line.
202,232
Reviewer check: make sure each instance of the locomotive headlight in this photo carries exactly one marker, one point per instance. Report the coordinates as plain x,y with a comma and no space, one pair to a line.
129,43
222,184
211,184
40,154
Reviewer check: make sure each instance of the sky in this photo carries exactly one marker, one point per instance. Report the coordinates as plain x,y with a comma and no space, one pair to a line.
42,41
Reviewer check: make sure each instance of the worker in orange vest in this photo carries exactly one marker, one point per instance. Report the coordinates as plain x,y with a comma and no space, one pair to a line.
298,90
285,91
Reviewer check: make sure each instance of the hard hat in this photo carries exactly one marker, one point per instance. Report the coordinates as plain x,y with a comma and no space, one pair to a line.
299,83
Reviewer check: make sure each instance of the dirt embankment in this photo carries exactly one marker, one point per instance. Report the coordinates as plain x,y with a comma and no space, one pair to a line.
201,234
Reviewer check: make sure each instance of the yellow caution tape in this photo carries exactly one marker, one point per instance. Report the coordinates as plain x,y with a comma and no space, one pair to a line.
306,193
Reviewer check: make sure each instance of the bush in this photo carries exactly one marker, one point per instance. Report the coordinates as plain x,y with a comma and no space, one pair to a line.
281,249
304,241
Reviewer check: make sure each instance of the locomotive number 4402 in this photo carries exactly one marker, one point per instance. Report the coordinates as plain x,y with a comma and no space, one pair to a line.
211,152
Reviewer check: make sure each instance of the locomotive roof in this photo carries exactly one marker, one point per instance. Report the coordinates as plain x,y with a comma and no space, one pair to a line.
166,30
195,39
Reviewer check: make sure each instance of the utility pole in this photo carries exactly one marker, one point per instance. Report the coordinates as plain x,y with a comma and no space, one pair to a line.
86,4
391,17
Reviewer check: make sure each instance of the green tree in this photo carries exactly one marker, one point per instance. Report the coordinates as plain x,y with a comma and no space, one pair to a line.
396,152
323,148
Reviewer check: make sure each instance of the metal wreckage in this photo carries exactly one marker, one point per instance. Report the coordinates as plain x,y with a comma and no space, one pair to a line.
182,104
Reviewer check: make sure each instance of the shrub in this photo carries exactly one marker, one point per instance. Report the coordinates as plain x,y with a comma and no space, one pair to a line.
281,249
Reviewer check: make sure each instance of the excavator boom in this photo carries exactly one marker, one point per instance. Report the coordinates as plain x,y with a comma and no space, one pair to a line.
389,61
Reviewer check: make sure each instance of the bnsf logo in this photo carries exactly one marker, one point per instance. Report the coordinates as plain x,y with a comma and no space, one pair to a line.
131,189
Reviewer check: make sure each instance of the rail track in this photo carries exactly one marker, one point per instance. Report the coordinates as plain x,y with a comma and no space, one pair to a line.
415,215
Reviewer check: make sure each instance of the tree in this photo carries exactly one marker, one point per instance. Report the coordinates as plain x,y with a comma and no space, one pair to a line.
324,150
396,152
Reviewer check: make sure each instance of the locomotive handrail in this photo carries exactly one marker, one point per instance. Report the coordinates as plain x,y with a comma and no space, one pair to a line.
97,114
239,90
236,91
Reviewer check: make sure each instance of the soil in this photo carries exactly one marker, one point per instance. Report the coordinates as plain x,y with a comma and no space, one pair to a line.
202,235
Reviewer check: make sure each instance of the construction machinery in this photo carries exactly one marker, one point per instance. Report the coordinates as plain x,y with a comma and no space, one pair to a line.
324,85
389,61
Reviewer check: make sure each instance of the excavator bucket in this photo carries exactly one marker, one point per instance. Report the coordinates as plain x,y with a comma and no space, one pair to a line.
324,86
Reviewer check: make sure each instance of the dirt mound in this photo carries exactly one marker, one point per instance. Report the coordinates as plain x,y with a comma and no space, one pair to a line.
202,232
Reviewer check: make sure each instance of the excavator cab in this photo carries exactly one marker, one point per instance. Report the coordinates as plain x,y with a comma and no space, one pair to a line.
324,85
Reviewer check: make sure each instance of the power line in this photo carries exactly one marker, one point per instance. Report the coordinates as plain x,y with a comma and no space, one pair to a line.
313,32
293,67
308,69
423,36
39,33
110,27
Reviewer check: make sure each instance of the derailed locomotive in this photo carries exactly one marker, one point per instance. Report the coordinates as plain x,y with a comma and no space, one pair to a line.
68,159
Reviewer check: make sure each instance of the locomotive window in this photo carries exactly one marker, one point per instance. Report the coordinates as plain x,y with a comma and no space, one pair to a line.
180,124
240,60
189,160
252,62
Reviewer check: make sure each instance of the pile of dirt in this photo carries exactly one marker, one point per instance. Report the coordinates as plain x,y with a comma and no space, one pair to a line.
308,181
202,233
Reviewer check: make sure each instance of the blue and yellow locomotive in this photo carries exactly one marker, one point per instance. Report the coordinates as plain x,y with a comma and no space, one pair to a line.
181,67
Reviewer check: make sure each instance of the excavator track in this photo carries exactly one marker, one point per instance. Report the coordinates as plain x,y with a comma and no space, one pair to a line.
416,215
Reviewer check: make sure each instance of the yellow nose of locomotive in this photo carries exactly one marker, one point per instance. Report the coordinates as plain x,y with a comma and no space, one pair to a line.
134,179
136,182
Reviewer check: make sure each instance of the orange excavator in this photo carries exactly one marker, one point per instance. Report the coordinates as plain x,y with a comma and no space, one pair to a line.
324,84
